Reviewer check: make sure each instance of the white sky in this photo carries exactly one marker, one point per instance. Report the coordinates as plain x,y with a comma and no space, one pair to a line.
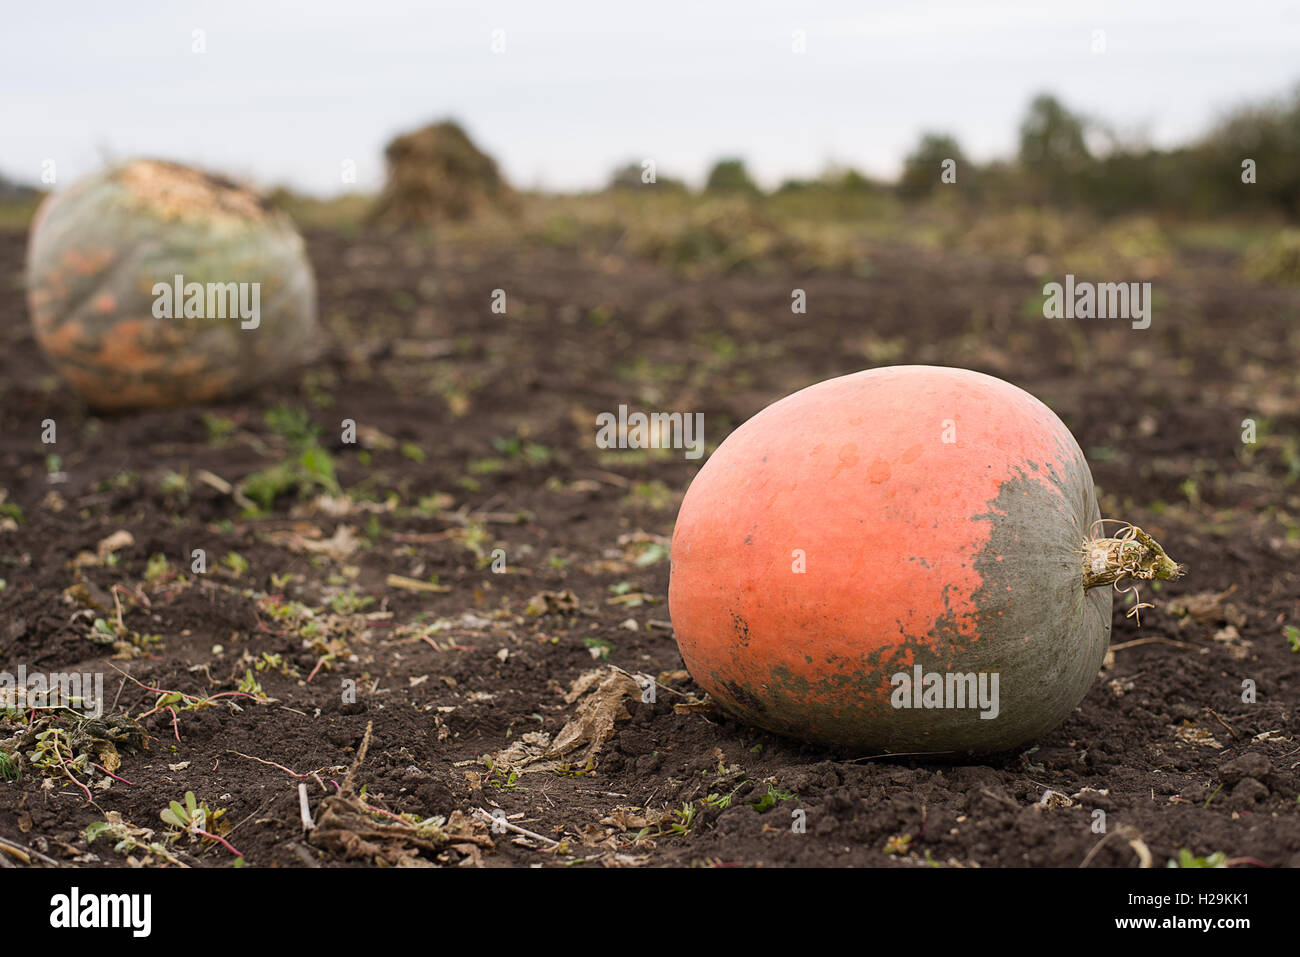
283,96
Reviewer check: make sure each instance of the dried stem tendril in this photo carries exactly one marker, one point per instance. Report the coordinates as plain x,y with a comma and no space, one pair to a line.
1129,554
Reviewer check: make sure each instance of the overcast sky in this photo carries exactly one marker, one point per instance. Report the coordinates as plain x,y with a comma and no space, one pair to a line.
281,96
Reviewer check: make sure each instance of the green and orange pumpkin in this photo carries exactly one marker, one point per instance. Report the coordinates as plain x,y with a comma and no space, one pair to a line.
858,540
104,253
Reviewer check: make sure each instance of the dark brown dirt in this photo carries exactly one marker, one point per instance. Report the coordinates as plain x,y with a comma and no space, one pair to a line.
496,413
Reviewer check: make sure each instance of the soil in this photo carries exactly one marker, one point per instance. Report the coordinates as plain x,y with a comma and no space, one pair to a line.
477,434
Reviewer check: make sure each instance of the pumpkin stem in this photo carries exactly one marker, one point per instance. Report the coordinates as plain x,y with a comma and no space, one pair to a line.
1131,553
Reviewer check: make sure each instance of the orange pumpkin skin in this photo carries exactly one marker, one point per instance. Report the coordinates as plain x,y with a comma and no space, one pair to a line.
96,253
903,516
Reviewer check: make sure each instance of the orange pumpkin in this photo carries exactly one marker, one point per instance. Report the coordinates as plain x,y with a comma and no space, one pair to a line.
895,560
154,284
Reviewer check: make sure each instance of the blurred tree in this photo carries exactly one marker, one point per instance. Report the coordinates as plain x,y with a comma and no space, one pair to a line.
730,176
853,182
833,178
12,190
924,165
1054,151
1268,134
632,176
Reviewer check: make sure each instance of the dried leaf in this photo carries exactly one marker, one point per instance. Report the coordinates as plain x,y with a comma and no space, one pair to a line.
593,723
414,584
552,603
118,540
1194,734
1208,608
602,692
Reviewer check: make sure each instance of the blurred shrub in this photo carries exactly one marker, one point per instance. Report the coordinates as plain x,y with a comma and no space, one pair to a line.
836,180
1055,166
924,165
1051,242
1018,232
1269,134
630,176
724,234
1277,261
1130,249
730,176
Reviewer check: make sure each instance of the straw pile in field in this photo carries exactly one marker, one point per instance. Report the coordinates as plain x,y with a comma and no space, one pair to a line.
437,174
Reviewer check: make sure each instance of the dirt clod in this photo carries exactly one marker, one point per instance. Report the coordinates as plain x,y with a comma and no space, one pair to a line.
1252,764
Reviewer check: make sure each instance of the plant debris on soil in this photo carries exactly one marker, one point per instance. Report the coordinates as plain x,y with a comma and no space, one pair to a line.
448,642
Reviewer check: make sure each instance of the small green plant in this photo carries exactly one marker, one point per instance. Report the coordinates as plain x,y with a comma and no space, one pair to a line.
9,767
506,779
157,567
188,817
599,647
274,662
654,495
770,799
478,539
176,701
64,745
350,603
122,639
175,485
567,770
508,783
434,504
120,481
293,424
309,470
218,427
898,844
1187,859
196,819
128,839
652,554
684,818
251,686
1292,637
515,449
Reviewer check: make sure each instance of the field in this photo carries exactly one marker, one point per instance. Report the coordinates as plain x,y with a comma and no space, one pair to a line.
445,580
